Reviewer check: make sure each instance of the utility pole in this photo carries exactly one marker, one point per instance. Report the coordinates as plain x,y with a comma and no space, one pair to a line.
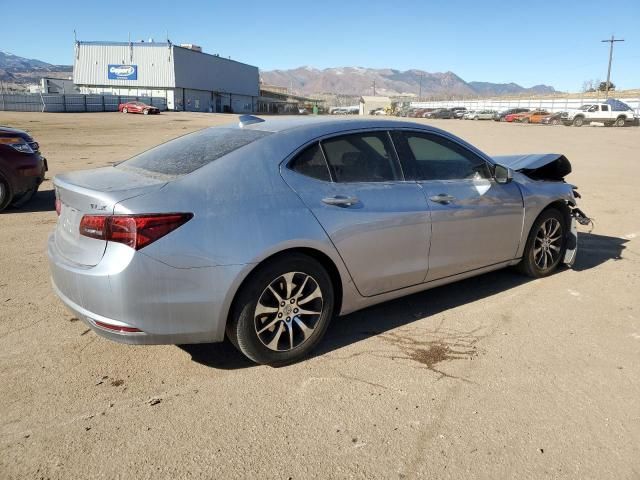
374,88
420,91
611,41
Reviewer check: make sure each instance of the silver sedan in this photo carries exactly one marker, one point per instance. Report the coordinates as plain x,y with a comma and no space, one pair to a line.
266,230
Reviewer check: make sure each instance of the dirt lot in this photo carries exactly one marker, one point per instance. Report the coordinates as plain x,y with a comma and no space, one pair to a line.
494,377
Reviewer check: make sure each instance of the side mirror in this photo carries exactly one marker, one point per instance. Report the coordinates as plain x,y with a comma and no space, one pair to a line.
502,174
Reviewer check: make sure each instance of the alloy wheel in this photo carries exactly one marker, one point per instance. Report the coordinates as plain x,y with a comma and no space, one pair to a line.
548,244
288,311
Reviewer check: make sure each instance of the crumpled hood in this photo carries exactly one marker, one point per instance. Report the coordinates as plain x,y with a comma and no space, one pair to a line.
539,166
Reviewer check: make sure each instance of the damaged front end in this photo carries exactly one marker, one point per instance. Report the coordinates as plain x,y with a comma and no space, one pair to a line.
552,167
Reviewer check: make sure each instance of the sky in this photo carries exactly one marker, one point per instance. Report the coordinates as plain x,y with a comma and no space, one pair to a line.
557,43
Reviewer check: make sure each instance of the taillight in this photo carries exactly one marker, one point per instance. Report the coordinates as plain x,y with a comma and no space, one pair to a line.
135,231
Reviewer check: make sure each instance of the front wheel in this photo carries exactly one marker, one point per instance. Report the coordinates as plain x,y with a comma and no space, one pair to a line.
145,112
125,110
545,246
24,198
555,121
282,311
5,194
578,122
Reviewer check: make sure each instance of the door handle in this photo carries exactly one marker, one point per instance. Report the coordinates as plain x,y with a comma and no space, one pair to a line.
442,198
340,200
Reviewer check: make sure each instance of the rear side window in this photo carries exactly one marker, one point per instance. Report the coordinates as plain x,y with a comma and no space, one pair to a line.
191,152
361,157
310,162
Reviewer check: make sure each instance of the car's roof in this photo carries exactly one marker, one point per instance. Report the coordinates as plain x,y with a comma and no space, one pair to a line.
330,123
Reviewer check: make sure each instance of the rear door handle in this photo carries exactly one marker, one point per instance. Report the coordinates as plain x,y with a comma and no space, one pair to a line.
442,198
340,200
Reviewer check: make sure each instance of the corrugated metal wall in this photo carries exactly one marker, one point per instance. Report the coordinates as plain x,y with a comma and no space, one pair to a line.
33,102
202,82
199,71
154,64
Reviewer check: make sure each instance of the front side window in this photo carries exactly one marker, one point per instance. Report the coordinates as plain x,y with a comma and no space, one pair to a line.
437,158
361,157
310,162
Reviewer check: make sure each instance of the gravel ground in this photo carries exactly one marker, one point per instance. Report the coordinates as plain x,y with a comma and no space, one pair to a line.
494,377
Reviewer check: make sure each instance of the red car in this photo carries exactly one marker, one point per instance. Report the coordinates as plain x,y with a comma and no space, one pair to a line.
21,167
137,107
515,117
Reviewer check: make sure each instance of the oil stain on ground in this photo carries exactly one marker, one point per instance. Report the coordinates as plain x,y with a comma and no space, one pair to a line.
432,348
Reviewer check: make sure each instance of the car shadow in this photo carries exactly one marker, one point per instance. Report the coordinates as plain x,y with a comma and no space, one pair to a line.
593,251
42,201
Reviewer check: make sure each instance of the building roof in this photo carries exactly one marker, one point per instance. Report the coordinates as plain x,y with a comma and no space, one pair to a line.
366,99
156,44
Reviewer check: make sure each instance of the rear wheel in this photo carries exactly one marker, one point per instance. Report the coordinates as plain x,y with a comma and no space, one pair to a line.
545,246
282,311
620,121
555,121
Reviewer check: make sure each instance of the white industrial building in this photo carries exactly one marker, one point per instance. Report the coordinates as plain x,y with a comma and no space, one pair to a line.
185,77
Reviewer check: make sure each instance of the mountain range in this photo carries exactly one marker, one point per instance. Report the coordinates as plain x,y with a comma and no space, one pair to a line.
18,70
353,81
390,82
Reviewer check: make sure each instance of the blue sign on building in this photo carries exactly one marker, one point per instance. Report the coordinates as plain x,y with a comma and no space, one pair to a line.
123,72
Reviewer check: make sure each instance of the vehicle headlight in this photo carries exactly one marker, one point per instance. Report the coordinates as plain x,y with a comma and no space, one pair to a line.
16,143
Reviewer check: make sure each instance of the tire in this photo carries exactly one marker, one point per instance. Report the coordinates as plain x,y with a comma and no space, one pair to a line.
280,335
578,121
125,110
620,122
5,193
555,121
24,198
540,258
524,120
145,112
502,119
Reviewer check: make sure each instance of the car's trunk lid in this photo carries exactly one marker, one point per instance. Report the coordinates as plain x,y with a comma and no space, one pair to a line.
94,192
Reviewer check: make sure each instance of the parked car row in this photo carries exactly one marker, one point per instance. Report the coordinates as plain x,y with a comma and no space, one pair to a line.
609,113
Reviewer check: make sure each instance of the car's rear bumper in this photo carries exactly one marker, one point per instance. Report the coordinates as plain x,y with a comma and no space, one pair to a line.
131,290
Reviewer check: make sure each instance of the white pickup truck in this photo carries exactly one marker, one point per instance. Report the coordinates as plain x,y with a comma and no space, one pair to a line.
600,113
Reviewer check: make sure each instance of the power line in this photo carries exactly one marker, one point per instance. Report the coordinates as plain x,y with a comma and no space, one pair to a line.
611,42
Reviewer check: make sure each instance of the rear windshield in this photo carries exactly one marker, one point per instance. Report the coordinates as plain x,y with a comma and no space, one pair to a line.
190,152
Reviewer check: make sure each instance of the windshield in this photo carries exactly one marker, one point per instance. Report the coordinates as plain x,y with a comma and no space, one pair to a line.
584,107
190,152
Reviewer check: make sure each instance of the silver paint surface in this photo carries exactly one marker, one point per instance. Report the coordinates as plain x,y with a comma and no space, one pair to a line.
249,206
